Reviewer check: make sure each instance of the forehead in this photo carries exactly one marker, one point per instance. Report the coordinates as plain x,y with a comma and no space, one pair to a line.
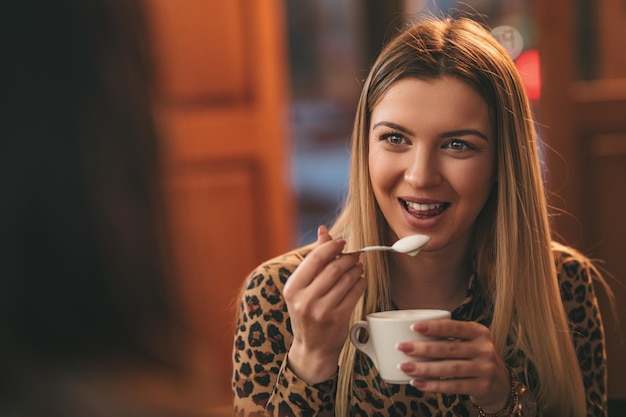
447,102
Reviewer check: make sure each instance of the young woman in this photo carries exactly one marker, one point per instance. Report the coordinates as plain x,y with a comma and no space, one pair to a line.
443,145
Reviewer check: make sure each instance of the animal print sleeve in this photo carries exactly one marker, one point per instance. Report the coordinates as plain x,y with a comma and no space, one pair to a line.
293,397
262,383
581,306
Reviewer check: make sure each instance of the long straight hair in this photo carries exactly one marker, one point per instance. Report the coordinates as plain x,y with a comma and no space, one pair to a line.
512,246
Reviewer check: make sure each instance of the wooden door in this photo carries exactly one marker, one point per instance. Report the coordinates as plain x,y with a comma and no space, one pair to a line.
222,109
583,109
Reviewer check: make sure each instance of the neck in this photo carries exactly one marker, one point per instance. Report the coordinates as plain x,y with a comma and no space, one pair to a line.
430,280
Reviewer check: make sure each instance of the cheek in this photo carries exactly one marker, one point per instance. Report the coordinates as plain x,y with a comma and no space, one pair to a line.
474,183
374,169
381,171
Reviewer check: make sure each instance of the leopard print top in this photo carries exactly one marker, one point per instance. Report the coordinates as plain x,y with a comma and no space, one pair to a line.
263,385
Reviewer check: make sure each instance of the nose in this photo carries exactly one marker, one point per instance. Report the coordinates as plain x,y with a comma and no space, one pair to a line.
422,169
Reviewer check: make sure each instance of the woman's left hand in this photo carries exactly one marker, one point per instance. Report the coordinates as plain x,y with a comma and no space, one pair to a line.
466,362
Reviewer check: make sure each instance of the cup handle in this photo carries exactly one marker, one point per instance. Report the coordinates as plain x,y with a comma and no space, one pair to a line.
366,347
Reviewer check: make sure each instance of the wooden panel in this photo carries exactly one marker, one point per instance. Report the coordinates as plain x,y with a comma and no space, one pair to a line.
222,107
607,227
202,135
213,212
199,49
554,33
607,146
270,77
584,128
612,33
600,105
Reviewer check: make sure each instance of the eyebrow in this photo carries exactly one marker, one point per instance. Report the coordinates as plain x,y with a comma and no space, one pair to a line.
467,132
460,132
395,127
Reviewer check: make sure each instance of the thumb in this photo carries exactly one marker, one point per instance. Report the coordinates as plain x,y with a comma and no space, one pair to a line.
322,235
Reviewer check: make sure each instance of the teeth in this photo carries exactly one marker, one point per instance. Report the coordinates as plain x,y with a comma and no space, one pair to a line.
422,207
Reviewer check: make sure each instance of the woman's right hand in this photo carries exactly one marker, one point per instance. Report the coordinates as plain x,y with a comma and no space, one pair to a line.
320,296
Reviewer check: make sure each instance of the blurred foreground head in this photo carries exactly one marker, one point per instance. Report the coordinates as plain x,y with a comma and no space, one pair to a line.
83,272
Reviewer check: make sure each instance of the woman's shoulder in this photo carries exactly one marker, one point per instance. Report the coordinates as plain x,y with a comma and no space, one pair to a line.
572,265
578,276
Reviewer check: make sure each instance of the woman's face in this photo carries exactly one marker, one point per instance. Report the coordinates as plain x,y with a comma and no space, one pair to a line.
432,159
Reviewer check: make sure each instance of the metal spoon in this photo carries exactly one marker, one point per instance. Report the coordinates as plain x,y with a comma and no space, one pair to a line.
410,245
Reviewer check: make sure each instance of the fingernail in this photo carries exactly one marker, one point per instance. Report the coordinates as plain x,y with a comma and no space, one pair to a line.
418,383
419,327
406,367
405,347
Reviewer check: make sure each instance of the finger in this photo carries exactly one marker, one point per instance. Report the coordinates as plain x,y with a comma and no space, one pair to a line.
332,282
351,298
343,288
337,266
451,329
440,349
444,369
315,262
323,235
445,385
476,387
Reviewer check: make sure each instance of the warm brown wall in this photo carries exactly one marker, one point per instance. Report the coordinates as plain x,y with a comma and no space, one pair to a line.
222,90
611,27
585,130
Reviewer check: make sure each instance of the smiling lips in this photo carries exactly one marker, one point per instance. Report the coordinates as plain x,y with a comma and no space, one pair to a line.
424,210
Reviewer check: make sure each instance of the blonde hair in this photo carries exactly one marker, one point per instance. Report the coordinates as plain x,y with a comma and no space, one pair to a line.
512,247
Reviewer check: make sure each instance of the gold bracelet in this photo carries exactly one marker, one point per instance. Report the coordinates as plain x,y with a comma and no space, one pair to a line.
512,403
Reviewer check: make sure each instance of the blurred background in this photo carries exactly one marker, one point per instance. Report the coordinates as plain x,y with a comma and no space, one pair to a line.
254,106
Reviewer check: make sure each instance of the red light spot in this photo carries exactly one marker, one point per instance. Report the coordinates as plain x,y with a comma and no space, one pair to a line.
528,66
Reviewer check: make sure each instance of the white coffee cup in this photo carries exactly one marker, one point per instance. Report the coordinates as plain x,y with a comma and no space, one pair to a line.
385,330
